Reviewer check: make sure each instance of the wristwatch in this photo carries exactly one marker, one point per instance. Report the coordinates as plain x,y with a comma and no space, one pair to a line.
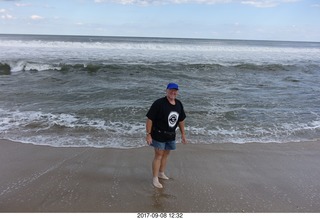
148,133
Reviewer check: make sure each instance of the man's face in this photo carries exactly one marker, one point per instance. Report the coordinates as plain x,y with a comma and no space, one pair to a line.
172,93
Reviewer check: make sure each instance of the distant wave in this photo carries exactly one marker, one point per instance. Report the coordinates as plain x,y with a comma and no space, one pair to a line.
21,66
57,53
160,45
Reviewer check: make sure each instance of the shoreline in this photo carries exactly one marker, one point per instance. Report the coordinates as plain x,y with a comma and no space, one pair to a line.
253,177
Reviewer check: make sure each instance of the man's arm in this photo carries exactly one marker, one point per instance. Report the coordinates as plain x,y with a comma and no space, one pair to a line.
148,131
183,134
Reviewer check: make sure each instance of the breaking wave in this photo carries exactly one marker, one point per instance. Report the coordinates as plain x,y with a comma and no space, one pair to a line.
21,66
69,130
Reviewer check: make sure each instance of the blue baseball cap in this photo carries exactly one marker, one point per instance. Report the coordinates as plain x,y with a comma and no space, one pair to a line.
173,86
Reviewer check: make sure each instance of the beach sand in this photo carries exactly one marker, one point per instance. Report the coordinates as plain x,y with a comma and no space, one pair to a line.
204,178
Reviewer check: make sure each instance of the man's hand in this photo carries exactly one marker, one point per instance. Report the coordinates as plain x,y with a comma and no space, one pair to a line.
184,139
149,139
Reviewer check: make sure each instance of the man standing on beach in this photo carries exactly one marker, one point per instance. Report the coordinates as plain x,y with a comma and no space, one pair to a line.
164,116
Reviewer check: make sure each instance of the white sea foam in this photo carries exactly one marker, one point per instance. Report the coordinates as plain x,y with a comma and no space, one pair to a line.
20,66
71,131
68,130
152,51
177,46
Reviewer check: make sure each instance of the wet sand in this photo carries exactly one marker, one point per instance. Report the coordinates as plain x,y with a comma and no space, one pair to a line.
204,178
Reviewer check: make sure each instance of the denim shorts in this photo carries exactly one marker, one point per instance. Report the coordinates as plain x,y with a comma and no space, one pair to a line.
169,145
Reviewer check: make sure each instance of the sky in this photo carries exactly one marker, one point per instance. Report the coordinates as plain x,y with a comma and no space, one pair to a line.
287,20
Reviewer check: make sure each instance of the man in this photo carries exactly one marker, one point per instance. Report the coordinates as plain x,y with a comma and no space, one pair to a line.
163,118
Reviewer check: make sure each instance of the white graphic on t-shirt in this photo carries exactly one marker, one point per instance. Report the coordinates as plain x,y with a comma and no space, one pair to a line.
172,119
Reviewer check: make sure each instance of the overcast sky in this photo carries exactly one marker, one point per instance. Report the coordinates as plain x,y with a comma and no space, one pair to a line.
293,20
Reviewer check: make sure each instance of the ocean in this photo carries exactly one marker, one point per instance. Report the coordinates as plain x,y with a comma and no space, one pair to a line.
89,91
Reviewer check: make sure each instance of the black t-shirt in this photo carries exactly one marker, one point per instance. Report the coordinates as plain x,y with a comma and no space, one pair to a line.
165,119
